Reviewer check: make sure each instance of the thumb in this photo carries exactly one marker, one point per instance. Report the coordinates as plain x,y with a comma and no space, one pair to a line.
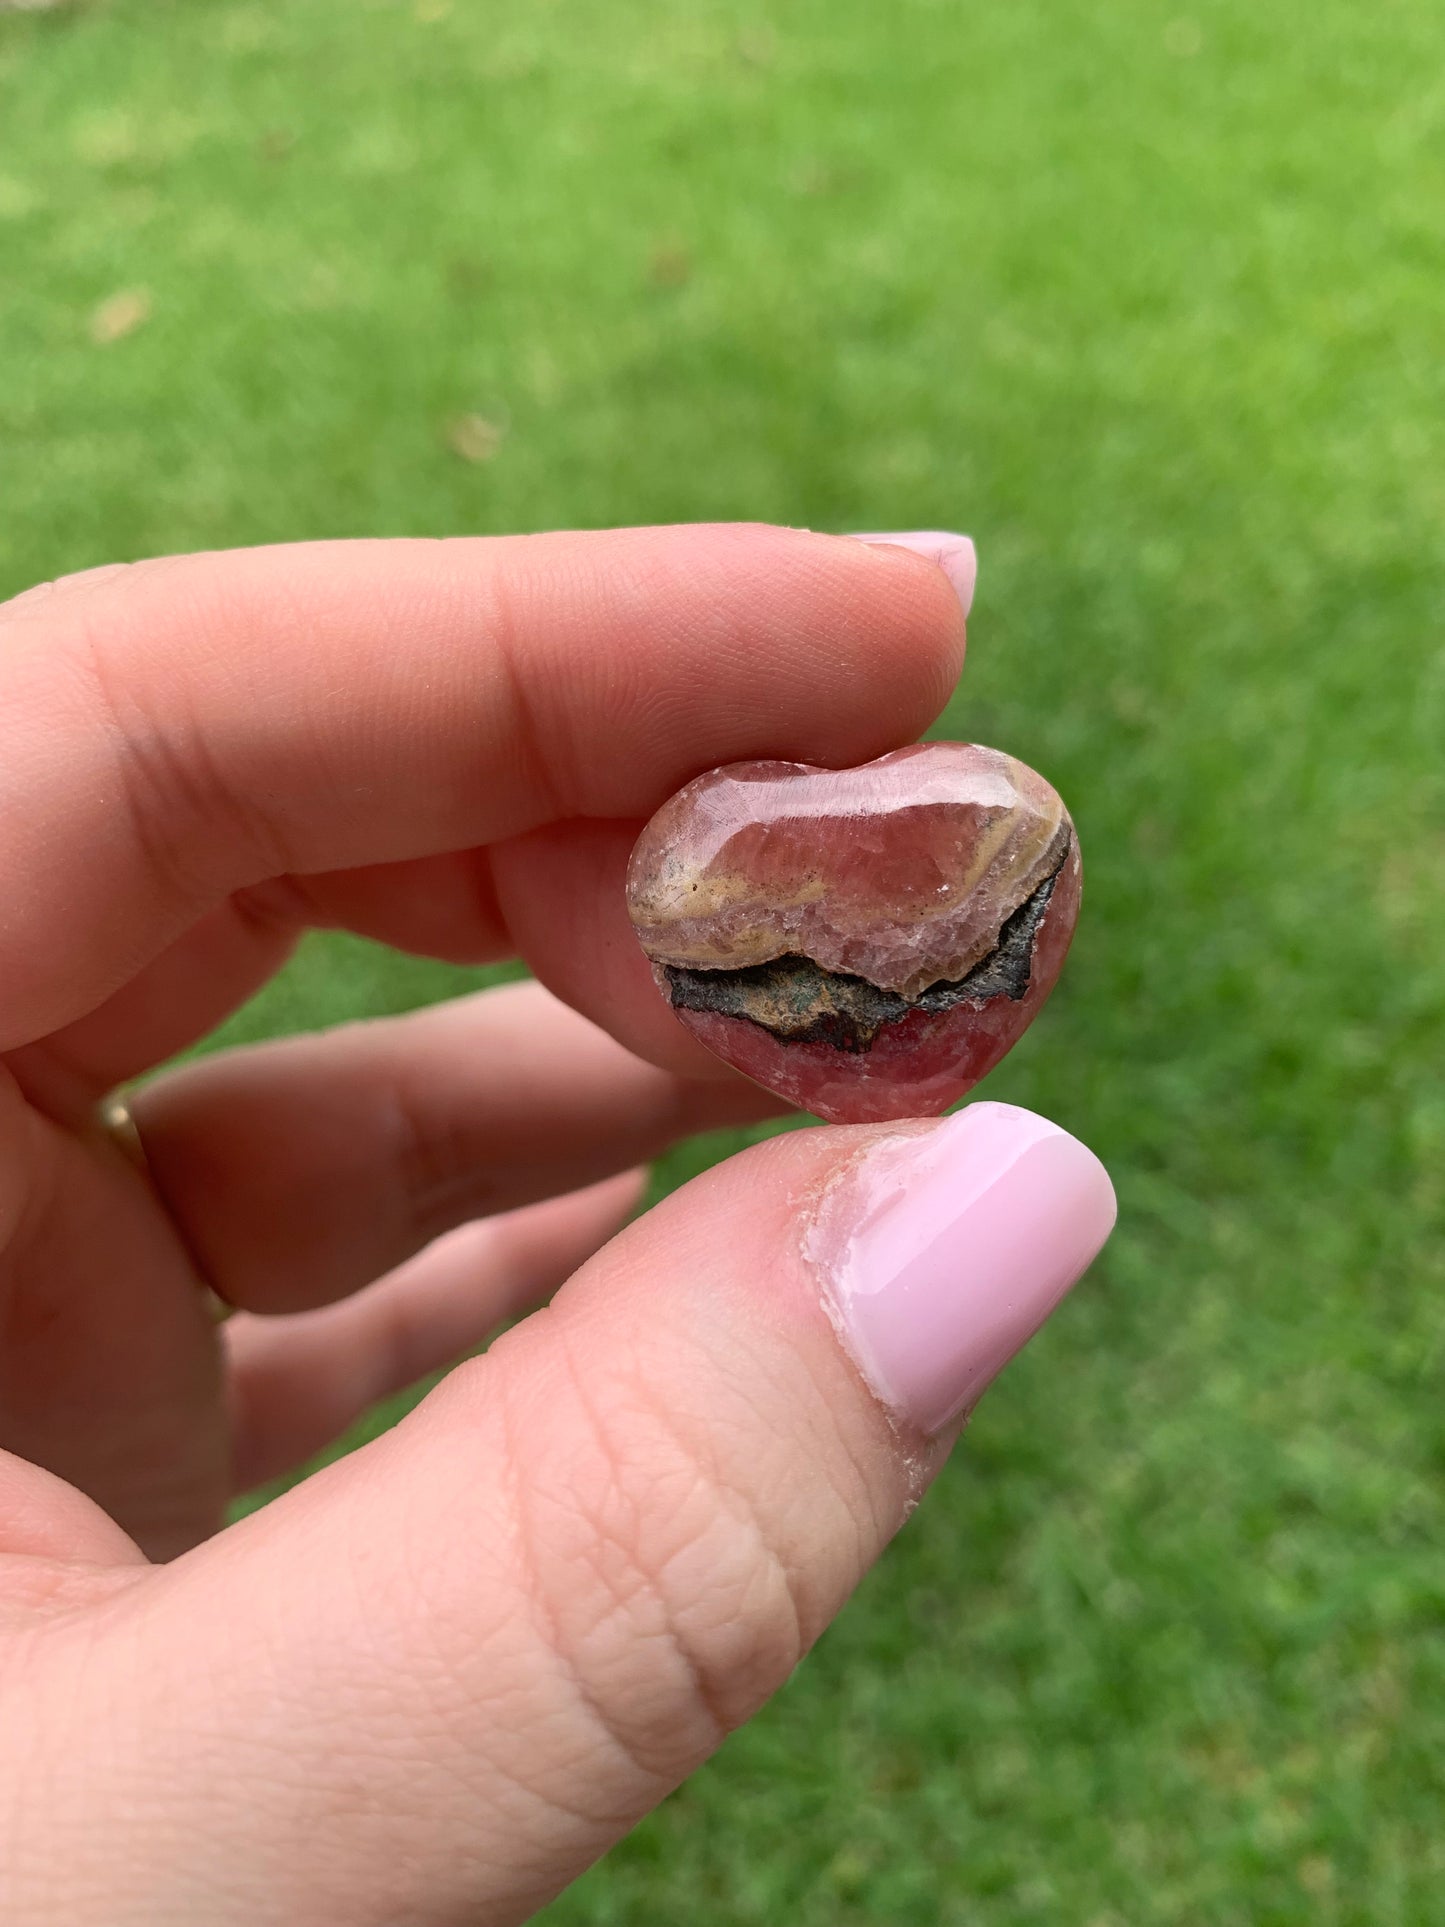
440,1679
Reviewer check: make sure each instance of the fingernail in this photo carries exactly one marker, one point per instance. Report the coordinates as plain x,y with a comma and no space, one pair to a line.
942,1251
954,554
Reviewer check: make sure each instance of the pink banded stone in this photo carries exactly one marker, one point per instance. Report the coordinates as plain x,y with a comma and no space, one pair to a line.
869,942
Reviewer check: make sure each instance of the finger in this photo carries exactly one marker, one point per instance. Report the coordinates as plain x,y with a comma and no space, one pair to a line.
109,1374
564,910
187,990
297,1382
562,892
298,1171
438,906
494,1639
43,1520
189,728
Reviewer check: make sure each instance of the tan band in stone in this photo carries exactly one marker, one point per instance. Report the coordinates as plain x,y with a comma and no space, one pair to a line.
121,1128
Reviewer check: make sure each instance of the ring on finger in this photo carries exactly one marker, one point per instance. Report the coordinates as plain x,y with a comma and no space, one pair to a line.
119,1125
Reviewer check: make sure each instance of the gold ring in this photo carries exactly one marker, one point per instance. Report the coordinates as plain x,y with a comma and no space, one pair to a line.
124,1133
121,1128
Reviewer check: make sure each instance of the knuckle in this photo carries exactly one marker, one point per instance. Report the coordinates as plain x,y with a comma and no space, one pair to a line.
659,1596
533,735
162,775
45,598
94,660
670,1610
178,800
441,1180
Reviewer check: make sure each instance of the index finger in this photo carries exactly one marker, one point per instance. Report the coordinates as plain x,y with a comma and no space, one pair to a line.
182,729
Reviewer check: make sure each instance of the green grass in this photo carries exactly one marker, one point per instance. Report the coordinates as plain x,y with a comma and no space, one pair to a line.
1149,301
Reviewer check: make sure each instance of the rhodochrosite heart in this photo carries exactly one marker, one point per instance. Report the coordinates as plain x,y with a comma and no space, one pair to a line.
865,942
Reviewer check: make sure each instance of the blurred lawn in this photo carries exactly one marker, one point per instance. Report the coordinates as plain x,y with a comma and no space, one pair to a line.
1150,301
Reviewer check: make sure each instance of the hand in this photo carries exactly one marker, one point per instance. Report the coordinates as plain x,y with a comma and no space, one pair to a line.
436,1680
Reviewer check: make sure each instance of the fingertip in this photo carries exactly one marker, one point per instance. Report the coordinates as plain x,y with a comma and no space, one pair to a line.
921,586
865,644
944,1249
954,554
619,1197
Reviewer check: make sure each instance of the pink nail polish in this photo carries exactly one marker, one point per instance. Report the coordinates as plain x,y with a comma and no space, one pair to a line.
943,1250
954,554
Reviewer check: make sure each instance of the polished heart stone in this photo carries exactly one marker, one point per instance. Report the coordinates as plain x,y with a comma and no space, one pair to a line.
869,942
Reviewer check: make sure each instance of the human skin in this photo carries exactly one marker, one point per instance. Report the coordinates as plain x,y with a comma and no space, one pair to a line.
433,1682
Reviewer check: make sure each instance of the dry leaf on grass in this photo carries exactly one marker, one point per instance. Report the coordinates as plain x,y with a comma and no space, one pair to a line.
475,438
670,265
120,315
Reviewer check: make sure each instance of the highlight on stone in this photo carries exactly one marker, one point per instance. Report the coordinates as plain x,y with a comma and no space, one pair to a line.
868,942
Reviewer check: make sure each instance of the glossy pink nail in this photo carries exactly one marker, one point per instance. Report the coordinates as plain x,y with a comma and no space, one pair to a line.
943,1250
954,554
